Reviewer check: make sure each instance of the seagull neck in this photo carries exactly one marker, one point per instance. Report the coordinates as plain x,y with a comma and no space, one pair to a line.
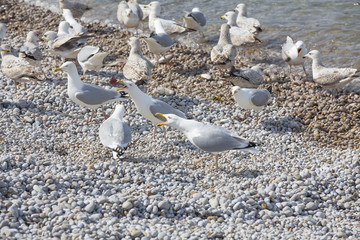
317,63
74,80
242,12
138,96
224,37
136,49
118,113
232,21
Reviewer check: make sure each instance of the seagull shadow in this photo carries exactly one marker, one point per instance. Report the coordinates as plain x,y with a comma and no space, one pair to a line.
284,124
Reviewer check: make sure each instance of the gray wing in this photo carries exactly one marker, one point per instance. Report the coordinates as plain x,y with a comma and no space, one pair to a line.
260,97
218,139
159,106
251,75
163,39
67,42
95,95
114,133
86,53
31,51
198,17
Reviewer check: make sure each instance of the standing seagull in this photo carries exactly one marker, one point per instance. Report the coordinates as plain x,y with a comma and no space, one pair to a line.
148,106
77,9
3,29
115,133
238,35
30,51
128,17
242,20
249,98
137,67
195,20
209,138
76,27
159,42
16,68
87,95
294,54
330,78
171,27
224,53
90,58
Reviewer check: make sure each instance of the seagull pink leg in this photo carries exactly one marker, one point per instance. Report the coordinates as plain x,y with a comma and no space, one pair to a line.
196,160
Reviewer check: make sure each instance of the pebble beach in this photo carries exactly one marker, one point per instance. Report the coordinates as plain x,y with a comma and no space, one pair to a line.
58,182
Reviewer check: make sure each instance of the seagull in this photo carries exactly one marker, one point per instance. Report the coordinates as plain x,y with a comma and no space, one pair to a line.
88,95
128,17
249,98
159,41
209,138
148,106
67,46
115,133
77,9
63,29
76,27
294,54
171,27
30,51
3,29
247,78
16,68
224,53
238,35
195,20
90,58
242,20
330,78
137,67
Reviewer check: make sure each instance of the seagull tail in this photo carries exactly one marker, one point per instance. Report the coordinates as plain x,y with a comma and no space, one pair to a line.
269,89
251,147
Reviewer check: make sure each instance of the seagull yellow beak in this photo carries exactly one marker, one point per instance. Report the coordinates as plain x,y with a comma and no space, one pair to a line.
120,89
71,27
160,114
5,50
146,6
222,17
58,70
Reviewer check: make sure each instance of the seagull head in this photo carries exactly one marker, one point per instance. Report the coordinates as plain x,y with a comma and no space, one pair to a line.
66,67
301,49
128,85
313,54
169,119
50,35
235,90
32,36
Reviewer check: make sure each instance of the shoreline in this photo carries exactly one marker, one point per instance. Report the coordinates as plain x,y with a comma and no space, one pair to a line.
57,180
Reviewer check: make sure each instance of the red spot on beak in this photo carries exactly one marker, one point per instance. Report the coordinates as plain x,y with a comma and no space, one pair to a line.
112,81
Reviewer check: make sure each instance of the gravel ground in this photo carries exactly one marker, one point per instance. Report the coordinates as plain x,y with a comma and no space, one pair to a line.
58,181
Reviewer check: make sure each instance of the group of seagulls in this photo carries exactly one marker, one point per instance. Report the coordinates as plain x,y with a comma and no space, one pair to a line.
69,41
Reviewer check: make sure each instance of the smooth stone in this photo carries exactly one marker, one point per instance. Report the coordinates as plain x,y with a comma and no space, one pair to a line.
90,207
127,205
165,204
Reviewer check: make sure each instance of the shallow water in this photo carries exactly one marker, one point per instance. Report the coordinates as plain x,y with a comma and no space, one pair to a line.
330,26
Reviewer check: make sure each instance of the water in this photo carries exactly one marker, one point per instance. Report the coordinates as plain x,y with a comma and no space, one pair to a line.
330,26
